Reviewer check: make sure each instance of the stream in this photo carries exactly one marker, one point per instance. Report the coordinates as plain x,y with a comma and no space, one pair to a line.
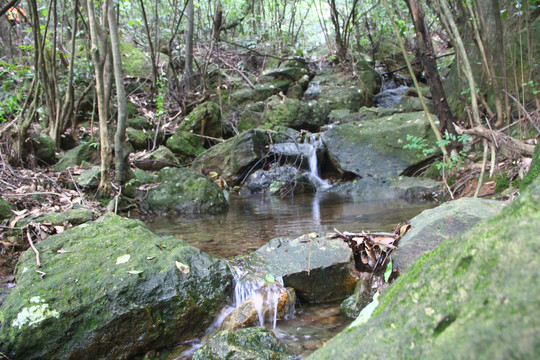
252,220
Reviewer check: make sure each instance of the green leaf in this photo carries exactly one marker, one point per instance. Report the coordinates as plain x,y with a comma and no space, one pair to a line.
366,313
269,279
388,271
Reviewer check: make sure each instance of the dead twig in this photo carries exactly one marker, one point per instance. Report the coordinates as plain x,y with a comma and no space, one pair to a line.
38,263
524,111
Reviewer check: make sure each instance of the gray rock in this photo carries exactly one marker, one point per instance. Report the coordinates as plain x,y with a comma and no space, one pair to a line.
375,147
318,269
205,120
235,157
89,178
406,188
137,138
185,145
44,148
157,159
95,302
243,344
75,157
446,221
184,191
279,180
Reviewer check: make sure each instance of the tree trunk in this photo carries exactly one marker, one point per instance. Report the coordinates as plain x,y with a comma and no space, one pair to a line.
190,15
120,146
99,62
429,63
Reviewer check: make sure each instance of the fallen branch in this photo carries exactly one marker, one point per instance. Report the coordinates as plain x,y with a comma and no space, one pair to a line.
524,111
246,79
38,263
507,143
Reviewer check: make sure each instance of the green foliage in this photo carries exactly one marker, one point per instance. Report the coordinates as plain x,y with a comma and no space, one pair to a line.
456,159
269,279
14,81
388,271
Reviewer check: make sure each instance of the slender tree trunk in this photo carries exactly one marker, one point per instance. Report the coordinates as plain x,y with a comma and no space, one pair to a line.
499,62
153,49
427,56
190,16
120,146
462,55
99,62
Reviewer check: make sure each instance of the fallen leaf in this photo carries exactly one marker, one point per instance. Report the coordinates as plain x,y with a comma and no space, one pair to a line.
59,229
182,267
388,271
135,272
62,251
122,259
150,257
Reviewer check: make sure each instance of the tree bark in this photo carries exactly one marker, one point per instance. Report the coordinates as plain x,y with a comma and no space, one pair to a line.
190,17
429,63
121,151
99,62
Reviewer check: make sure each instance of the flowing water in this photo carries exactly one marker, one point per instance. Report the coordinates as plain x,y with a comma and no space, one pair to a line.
252,220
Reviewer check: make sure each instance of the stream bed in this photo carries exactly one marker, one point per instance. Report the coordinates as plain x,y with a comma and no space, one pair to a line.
252,220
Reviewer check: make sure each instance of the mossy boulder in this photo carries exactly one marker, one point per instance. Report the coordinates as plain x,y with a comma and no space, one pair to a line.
470,298
403,187
205,120
243,344
76,216
134,61
6,210
334,90
279,180
293,113
185,145
353,305
380,143
157,159
74,157
144,177
235,157
137,138
446,221
44,148
184,191
318,269
139,123
89,178
112,290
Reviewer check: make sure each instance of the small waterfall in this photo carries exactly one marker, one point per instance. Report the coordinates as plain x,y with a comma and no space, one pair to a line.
265,301
315,142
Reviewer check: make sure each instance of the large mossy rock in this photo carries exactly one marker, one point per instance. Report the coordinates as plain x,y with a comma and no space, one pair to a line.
6,211
243,344
205,120
471,298
279,180
334,90
75,157
134,61
446,221
403,187
184,191
156,160
112,290
375,147
137,138
185,145
235,157
318,269
76,216
293,113
44,148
